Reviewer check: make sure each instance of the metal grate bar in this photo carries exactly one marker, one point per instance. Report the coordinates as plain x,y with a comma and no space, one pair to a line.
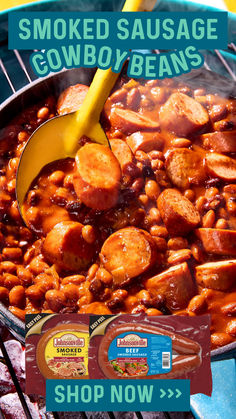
15,381
232,46
224,62
7,76
21,62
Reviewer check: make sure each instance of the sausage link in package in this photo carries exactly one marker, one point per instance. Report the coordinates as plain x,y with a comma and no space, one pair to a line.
141,347
81,346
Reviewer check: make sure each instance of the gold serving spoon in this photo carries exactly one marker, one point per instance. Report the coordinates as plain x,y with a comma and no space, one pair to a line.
58,137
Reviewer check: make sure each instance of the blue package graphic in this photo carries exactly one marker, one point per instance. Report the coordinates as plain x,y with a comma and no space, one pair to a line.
140,354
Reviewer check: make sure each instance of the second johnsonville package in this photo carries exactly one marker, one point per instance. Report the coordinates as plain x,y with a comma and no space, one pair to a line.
73,346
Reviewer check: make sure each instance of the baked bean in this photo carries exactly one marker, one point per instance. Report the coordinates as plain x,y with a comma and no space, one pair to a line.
220,339
180,142
57,177
5,200
119,293
231,328
92,271
157,164
208,219
61,196
37,266
18,312
4,293
198,304
230,189
33,216
17,296
73,279
68,182
179,256
208,294
161,244
12,253
211,192
19,149
23,136
46,282
43,113
55,299
105,276
177,243
142,157
7,266
155,215
11,281
200,203
11,186
10,241
143,199
137,185
131,301
24,275
70,292
229,309
3,183
218,112
231,206
35,294
88,233
221,223
152,189
158,231
189,194
153,312
140,308
197,253
28,256
14,212
133,99
143,295
12,167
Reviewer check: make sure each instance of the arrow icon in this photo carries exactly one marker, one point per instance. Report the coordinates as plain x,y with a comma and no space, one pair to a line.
178,393
170,393
163,393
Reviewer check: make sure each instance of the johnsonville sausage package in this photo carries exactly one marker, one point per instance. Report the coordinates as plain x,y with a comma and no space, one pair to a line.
56,347
158,347
82,346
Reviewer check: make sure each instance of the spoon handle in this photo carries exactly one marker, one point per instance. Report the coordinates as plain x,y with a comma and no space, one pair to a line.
85,121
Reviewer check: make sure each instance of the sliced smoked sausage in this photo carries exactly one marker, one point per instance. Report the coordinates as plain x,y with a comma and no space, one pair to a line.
218,241
128,121
185,167
97,176
182,115
221,166
145,141
122,152
220,141
128,253
178,213
217,275
175,284
64,245
71,99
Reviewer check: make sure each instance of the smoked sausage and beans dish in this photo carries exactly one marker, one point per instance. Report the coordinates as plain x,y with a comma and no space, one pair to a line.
146,226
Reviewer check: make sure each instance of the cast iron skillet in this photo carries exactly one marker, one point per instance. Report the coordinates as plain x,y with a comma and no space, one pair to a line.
54,84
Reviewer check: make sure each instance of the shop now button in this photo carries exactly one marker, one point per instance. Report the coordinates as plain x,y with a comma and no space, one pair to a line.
117,395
